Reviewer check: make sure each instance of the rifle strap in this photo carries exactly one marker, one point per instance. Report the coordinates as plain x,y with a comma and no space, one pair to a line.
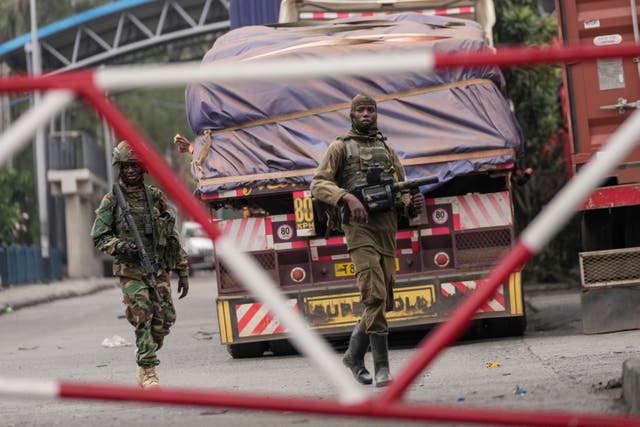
154,229
120,200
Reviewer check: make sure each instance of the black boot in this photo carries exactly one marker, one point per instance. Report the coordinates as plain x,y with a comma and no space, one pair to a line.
354,356
380,353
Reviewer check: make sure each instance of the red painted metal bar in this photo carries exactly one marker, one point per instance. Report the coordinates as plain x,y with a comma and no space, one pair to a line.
505,56
611,197
73,80
371,408
446,333
153,162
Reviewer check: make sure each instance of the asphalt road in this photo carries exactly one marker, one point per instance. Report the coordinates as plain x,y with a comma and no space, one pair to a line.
554,365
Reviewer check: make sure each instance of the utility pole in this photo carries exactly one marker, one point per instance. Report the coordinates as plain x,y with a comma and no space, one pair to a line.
40,149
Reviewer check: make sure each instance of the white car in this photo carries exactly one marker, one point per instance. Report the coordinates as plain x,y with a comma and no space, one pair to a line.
198,245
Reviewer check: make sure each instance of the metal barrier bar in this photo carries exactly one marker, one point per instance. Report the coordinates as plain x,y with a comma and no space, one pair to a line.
386,406
370,409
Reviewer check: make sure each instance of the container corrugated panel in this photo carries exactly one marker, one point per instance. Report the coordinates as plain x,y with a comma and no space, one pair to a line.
602,93
253,12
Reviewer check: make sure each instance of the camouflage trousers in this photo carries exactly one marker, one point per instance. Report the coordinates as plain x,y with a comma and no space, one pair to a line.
375,275
151,319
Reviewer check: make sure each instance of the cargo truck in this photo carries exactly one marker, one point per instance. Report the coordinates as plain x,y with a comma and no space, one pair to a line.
601,95
258,144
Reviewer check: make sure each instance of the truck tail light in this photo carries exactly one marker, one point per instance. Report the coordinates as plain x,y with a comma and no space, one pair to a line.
441,259
298,274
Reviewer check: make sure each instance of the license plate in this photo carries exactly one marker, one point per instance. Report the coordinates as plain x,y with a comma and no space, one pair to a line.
344,269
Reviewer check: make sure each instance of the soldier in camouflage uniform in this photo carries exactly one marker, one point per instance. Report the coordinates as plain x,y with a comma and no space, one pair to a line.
156,224
371,238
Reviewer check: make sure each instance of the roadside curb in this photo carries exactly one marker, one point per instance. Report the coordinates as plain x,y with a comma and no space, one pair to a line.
21,296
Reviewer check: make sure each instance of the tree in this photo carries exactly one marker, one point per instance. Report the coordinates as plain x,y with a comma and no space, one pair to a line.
535,96
17,207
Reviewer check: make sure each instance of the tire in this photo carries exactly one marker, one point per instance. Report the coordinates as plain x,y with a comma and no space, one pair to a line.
282,348
504,327
246,350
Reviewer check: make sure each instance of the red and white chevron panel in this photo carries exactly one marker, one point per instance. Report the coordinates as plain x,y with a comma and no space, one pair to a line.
334,15
249,234
473,211
493,305
254,319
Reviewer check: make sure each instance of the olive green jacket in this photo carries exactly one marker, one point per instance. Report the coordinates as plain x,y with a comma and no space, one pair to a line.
380,231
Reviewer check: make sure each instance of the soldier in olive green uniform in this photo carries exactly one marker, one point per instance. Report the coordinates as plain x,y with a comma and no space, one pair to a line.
371,238
151,314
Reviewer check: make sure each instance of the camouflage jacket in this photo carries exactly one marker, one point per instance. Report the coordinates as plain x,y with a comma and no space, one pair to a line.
109,230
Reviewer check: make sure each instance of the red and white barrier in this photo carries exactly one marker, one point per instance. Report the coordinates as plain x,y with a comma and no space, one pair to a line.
353,401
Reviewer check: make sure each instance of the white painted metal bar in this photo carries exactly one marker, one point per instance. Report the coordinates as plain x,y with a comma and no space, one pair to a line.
23,130
566,202
28,388
306,341
119,78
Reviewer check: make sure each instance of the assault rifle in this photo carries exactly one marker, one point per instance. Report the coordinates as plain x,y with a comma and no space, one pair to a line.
147,266
379,194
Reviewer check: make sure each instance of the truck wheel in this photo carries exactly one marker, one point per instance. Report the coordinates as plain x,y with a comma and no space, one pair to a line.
282,348
245,350
504,327
597,229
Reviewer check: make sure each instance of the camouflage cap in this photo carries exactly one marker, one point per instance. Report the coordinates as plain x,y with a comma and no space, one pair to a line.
362,99
123,153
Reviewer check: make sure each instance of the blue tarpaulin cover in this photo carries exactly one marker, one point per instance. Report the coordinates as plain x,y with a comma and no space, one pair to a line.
264,127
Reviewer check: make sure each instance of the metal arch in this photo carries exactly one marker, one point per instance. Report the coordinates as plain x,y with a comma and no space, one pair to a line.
127,31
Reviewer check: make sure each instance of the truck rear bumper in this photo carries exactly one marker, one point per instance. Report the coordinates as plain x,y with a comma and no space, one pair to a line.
334,312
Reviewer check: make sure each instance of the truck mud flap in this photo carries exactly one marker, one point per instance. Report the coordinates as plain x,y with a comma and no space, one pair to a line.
610,290
334,312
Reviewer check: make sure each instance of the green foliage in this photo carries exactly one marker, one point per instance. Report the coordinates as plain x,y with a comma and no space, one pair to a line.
158,113
17,217
534,92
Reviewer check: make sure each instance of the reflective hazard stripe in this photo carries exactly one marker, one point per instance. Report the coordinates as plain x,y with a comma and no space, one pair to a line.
497,303
435,231
413,236
473,211
290,245
249,234
254,319
334,15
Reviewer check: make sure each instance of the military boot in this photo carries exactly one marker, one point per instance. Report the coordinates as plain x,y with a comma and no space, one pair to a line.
354,356
147,377
380,353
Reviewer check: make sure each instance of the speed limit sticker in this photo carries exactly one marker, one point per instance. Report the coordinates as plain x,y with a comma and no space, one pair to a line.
440,216
285,232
